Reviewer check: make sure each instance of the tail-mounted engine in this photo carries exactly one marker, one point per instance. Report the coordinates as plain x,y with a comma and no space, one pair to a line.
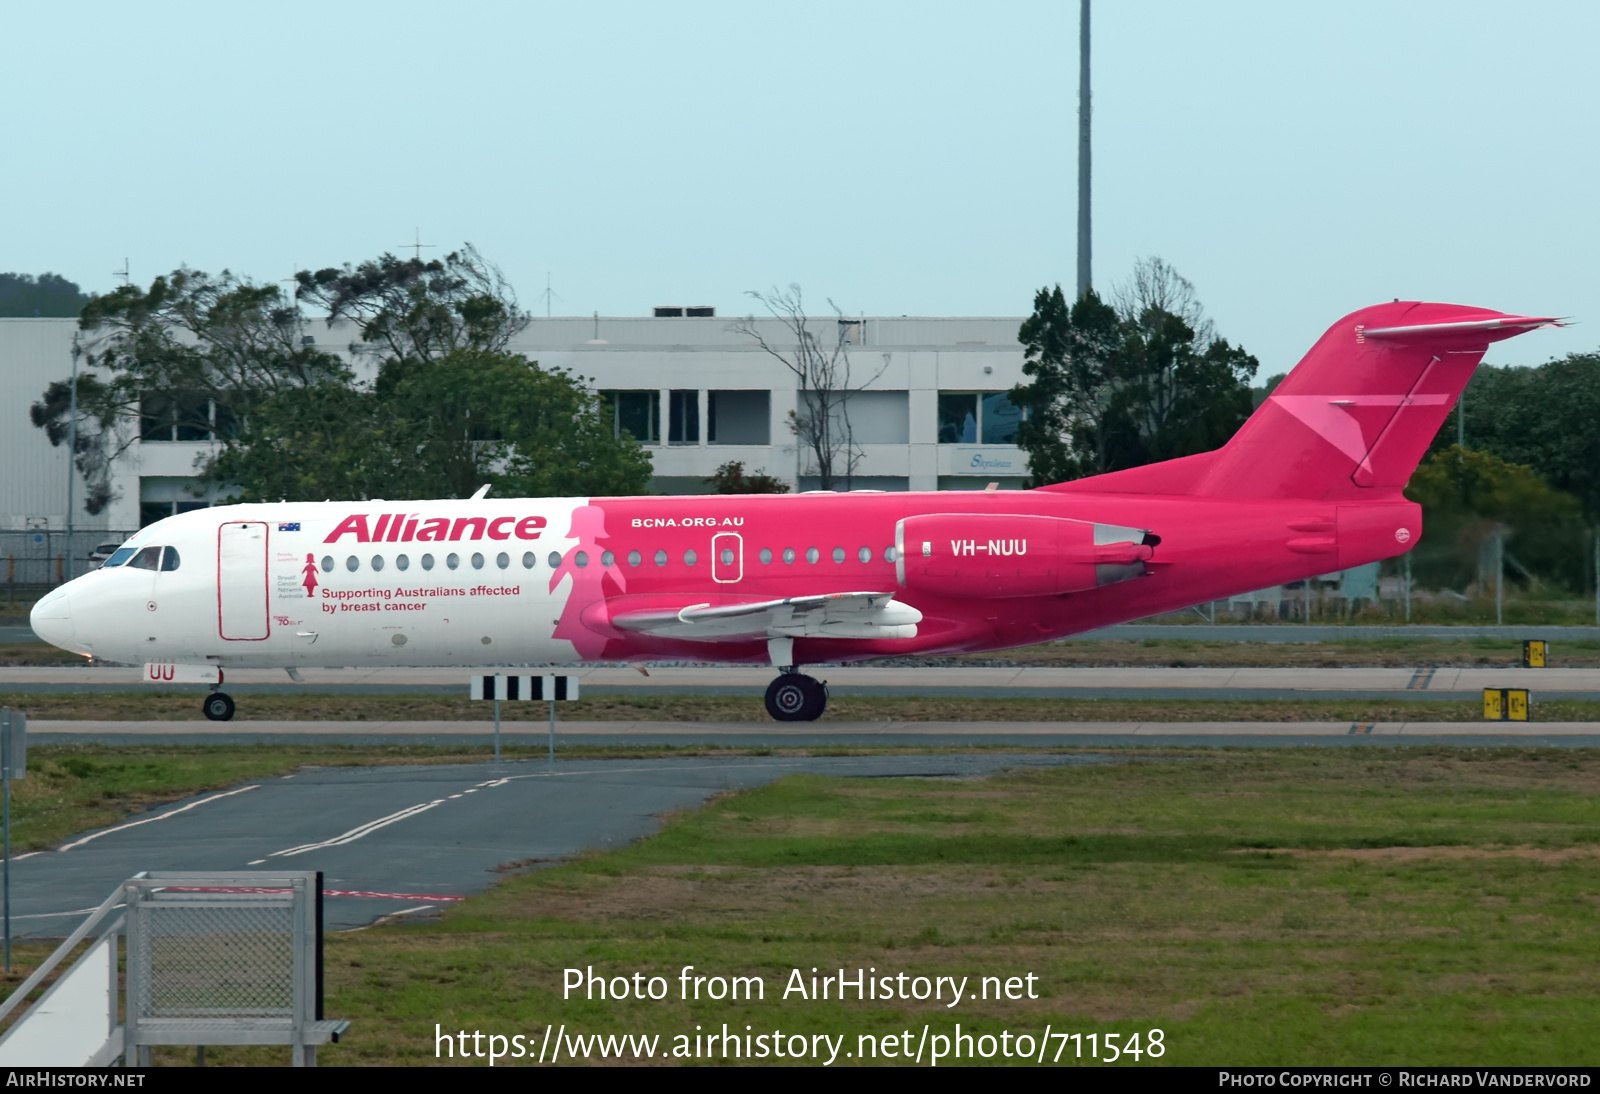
994,555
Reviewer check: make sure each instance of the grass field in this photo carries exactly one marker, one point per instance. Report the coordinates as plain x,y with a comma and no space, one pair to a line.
1380,906
170,706
1293,907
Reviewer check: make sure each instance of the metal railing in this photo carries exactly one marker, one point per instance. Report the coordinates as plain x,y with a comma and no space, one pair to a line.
211,959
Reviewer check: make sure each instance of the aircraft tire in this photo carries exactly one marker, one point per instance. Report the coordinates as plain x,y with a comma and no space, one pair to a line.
795,697
218,706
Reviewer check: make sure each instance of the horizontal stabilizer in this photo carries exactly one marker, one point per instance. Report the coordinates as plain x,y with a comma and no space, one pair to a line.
1505,326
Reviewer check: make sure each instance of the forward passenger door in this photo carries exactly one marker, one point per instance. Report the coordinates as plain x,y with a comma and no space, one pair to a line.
242,584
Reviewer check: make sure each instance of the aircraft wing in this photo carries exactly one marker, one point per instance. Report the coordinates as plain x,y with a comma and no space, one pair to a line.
829,615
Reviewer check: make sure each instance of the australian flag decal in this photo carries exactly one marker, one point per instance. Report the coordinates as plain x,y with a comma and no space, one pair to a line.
289,526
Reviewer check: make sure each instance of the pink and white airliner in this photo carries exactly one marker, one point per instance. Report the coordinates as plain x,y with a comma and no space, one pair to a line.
1310,484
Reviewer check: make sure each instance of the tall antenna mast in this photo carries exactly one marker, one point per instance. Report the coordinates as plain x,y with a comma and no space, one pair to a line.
416,245
550,294
1085,251
123,273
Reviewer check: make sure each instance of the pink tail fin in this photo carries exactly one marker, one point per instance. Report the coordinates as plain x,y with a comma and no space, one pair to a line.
1357,413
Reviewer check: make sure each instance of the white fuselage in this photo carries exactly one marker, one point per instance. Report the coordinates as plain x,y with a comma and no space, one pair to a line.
262,586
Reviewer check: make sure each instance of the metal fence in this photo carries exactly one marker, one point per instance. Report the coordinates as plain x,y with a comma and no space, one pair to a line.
211,959
41,558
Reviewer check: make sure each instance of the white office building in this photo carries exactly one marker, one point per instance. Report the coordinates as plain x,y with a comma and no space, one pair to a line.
930,412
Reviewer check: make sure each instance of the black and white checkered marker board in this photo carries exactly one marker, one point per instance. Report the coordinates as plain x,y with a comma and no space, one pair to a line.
519,687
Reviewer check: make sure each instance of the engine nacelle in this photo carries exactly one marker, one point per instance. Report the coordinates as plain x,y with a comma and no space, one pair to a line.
997,555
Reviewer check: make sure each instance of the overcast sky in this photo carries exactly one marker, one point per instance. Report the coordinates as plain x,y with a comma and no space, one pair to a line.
1294,161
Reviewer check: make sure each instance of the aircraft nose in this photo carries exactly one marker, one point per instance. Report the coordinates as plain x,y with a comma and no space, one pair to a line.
51,618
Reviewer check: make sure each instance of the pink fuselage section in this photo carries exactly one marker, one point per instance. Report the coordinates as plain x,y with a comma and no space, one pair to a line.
1209,549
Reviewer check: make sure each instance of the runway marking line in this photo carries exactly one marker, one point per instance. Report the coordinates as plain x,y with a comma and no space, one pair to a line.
360,830
367,894
160,817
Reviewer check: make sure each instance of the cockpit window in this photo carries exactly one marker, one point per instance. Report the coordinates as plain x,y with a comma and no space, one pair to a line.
169,559
147,559
119,556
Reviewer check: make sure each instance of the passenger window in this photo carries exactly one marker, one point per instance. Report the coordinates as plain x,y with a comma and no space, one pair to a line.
169,559
690,558
607,558
427,562
634,558
865,554
766,555
477,561
812,554
377,562
120,556
352,564
555,560
452,560
661,558
147,559
888,554
402,562
327,564
502,560
838,554
788,556
581,559
529,560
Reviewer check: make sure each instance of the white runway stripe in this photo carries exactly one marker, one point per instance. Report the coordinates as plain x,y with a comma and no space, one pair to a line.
359,831
152,820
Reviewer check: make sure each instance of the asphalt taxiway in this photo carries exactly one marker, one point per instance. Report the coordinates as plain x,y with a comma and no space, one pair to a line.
819,735
404,840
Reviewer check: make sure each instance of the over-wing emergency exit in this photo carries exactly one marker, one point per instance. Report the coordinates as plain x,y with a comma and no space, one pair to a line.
1311,483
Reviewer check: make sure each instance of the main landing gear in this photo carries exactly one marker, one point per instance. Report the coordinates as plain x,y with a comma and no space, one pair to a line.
796,697
218,706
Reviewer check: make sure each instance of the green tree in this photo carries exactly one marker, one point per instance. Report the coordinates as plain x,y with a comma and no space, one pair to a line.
478,416
1546,417
433,428
182,359
197,357
730,478
1469,498
410,308
49,295
1071,355
1174,395
315,443
1125,385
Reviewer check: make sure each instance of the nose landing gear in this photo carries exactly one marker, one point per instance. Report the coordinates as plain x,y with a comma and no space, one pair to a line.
796,697
218,706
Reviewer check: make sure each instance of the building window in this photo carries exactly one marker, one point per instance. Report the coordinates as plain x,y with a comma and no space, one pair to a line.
635,412
978,417
683,417
864,417
162,497
165,417
739,417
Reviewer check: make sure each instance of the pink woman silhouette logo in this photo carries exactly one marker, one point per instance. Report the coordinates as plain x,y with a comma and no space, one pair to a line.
309,578
590,580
